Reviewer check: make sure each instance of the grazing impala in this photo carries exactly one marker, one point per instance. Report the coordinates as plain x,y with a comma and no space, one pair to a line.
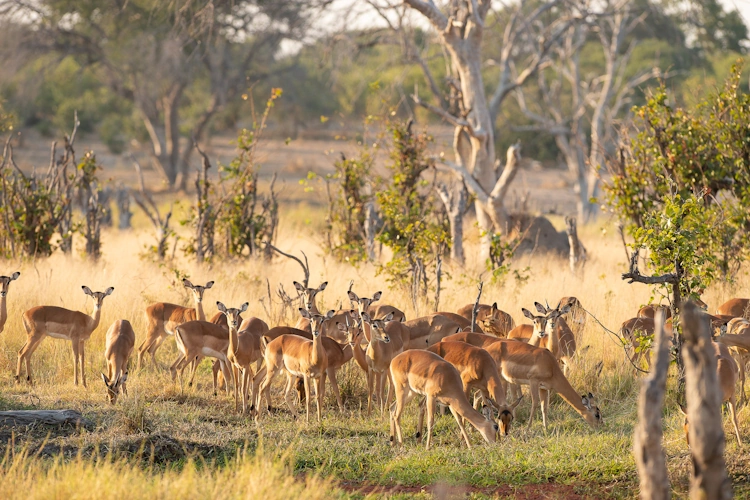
525,364
162,319
420,372
4,284
479,371
493,320
298,357
118,347
60,323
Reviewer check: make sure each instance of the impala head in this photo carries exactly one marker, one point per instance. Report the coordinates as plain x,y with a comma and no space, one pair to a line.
593,416
316,320
494,322
233,315
363,303
377,327
98,296
5,282
114,386
539,322
489,427
197,289
505,416
352,329
308,294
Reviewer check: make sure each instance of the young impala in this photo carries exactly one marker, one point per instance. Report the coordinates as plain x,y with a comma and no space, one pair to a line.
4,284
60,323
118,347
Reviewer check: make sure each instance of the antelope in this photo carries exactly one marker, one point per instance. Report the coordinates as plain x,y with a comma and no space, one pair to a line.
479,371
196,339
425,373
308,302
471,338
521,363
575,318
739,308
162,319
60,323
428,330
298,357
549,331
633,330
243,351
492,319
463,323
378,356
726,373
380,311
5,283
118,347
649,311
739,342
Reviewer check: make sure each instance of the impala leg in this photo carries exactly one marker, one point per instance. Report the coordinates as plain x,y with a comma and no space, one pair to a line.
370,383
733,414
246,381
742,361
319,384
82,357
544,399
420,420
461,426
534,390
290,380
335,389
306,381
76,347
403,396
258,389
236,379
31,346
431,402
194,368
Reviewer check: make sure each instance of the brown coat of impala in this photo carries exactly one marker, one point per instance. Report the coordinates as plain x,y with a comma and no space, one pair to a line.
649,311
476,339
4,284
739,308
428,330
308,302
365,304
163,318
200,338
727,374
60,323
298,357
378,356
479,371
420,372
463,323
525,364
555,335
244,350
118,347
492,320
739,342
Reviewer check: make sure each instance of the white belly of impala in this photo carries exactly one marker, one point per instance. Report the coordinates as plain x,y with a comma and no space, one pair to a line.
61,336
207,351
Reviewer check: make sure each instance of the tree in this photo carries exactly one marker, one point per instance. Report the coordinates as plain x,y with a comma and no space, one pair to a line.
149,52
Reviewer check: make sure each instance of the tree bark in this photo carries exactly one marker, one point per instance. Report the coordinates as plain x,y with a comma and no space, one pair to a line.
709,478
47,417
455,205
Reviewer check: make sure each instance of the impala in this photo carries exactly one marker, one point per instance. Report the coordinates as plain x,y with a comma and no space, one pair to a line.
525,364
308,302
163,318
380,311
197,339
739,342
298,357
378,355
739,308
576,316
549,331
4,284
479,371
243,351
649,311
476,339
60,323
420,372
428,330
492,319
118,347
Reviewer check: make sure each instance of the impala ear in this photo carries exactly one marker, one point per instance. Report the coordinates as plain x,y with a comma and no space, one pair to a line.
388,318
15,275
221,307
540,308
322,286
366,317
513,406
244,307
109,290
353,296
330,314
527,313
87,290
124,378
305,314
494,306
187,283
209,285
377,296
298,286
105,379
565,310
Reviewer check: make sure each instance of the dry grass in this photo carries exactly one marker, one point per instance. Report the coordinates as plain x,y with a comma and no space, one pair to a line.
191,442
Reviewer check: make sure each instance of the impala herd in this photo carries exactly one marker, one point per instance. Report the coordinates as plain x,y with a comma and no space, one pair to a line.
439,356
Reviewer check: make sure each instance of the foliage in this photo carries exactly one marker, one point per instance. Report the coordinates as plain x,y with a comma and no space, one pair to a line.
94,211
411,226
686,168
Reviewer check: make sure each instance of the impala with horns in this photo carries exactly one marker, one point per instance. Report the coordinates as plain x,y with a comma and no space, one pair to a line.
420,372
298,357
118,347
549,331
4,284
492,320
60,323
163,318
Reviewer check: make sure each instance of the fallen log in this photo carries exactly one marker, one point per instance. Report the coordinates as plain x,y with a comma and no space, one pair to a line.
47,417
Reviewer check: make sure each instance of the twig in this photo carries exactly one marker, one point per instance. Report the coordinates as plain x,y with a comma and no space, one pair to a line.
475,309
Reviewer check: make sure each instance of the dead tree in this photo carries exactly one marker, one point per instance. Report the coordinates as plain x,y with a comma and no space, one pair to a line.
124,215
206,216
160,223
647,441
709,478
577,250
455,200
371,222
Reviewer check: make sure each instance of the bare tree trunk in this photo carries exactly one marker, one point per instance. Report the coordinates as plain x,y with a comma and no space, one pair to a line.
455,206
577,251
709,479
370,230
122,199
649,454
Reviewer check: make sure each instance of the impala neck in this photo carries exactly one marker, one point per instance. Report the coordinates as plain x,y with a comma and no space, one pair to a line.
318,352
536,338
234,340
566,391
359,354
553,344
95,317
201,315
464,408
